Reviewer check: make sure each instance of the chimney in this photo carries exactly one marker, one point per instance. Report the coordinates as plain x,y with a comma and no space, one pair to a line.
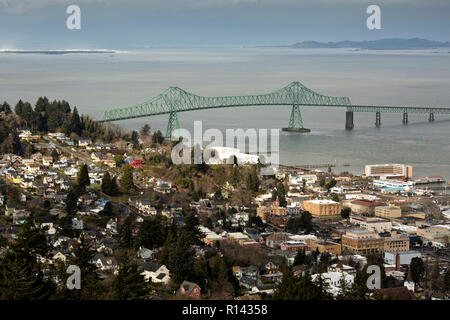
397,262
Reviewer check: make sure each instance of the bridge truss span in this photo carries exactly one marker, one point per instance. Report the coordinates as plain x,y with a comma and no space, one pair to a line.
174,100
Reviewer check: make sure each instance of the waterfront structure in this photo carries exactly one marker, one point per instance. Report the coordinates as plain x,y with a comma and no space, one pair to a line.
394,184
389,170
362,241
388,212
322,208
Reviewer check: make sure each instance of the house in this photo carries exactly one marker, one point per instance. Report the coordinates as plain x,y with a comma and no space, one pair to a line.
271,267
77,224
106,263
47,161
340,267
20,216
11,208
47,222
163,186
59,256
334,280
155,272
111,226
84,143
71,172
136,163
145,253
189,289
268,288
248,282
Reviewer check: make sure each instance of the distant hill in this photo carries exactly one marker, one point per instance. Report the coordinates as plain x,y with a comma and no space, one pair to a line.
384,44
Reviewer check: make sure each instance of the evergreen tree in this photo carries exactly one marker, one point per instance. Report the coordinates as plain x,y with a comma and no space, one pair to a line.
91,286
54,155
19,108
107,184
107,210
151,233
130,284
300,258
253,181
21,276
145,130
41,105
75,123
182,258
27,115
22,279
417,269
345,212
32,241
71,202
114,187
126,232
134,138
191,226
281,193
158,137
330,184
6,108
126,180
83,177
16,145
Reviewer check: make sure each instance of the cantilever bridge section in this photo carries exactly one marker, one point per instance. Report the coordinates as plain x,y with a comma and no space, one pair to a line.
175,100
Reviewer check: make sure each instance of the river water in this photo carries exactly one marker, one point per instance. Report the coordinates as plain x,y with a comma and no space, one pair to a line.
97,82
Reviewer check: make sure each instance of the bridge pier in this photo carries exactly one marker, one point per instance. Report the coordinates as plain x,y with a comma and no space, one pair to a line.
296,122
405,117
173,124
431,117
378,119
349,120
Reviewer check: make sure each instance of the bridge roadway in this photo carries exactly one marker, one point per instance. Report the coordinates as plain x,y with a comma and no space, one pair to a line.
175,100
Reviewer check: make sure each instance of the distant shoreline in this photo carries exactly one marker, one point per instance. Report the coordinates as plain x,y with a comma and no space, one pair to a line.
50,52
383,44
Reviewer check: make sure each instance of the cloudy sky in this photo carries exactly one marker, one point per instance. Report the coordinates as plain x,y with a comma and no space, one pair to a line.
37,24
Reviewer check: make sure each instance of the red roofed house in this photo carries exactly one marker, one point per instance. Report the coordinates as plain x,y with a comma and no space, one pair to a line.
189,289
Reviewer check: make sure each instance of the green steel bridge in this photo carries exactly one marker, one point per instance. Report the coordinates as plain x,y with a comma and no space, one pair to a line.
175,100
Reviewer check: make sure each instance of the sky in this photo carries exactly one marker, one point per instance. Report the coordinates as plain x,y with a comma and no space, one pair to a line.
128,24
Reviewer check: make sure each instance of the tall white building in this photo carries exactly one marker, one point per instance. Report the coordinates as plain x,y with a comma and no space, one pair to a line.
388,170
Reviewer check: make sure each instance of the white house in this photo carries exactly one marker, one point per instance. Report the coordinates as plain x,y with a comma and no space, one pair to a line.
334,280
155,272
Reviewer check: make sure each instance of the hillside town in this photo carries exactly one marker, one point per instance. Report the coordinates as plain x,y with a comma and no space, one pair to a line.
130,218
